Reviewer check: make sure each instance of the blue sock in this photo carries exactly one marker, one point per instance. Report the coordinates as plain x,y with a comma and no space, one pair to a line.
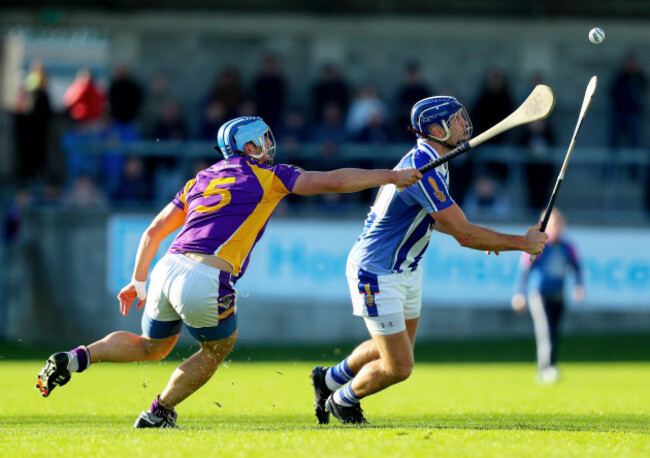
338,375
346,397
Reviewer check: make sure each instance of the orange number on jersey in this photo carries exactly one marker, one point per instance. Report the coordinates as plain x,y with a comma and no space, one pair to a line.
212,190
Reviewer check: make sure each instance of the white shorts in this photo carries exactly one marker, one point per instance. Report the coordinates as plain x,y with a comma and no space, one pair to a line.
382,295
200,296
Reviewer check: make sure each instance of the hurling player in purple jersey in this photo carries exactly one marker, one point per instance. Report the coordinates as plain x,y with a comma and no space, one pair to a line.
383,266
541,284
222,213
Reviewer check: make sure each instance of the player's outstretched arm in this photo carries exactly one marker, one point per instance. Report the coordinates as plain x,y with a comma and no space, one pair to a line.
452,221
167,221
353,180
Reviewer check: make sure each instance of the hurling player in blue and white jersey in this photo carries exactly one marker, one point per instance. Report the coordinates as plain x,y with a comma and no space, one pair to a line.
383,275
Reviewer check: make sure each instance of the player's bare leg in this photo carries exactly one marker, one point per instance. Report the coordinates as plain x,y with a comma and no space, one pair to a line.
118,347
196,371
186,379
368,350
126,347
394,365
328,380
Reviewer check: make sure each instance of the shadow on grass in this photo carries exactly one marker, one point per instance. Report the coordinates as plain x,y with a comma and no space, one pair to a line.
402,425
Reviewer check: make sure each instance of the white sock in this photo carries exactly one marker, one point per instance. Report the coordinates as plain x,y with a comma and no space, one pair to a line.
73,363
330,382
340,401
339,375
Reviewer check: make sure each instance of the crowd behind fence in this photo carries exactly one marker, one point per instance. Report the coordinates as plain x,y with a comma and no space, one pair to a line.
128,146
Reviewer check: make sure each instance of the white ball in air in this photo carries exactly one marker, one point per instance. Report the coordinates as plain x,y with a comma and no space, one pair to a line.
596,35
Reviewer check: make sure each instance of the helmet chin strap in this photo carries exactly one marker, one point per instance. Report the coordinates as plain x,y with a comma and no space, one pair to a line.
432,138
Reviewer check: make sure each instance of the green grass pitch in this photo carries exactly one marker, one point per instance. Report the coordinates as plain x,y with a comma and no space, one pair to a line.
265,409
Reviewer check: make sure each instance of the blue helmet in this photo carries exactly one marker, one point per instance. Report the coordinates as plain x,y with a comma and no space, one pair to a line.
442,111
234,134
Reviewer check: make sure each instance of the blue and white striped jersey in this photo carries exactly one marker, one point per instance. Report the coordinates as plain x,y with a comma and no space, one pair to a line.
398,228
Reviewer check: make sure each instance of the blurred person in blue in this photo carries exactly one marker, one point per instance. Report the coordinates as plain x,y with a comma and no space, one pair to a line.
331,127
375,131
222,214
383,271
541,284
486,201
135,187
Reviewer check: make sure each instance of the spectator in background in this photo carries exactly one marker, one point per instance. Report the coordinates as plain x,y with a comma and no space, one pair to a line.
269,91
115,138
486,201
156,98
331,127
413,90
135,187
538,139
376,130
83,99
493,104
223,101
124,96
84,194
541,284
85,104
227,93
32,123
170,124
331,88
628,93
292,131
364,106
213,116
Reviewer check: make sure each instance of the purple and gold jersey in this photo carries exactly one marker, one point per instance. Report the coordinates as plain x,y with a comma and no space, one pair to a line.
228,206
